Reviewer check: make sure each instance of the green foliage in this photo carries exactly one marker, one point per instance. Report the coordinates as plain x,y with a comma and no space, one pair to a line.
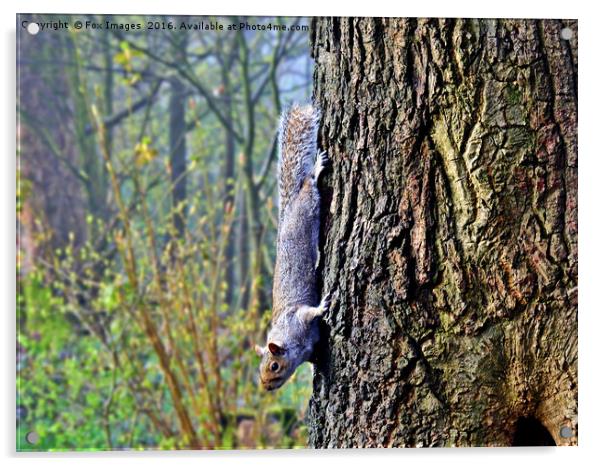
64,378
76,396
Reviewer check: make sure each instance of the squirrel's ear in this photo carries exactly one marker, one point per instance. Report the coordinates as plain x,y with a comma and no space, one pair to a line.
275,348
259,350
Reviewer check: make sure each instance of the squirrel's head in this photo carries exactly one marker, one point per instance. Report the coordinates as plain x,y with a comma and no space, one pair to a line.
276,367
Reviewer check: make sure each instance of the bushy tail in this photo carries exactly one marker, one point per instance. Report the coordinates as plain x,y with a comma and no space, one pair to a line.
298,148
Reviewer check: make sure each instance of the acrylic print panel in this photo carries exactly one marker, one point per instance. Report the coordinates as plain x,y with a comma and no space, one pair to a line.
255,232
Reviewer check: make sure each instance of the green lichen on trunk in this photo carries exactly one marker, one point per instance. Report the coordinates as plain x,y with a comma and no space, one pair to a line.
450,231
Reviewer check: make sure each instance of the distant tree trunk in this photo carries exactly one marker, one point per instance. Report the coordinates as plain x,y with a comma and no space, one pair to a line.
177,137
109,82
229,174
242,239
48,157
177,152
450,232
257,293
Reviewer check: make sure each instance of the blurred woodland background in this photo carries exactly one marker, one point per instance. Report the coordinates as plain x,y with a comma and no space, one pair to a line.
147,218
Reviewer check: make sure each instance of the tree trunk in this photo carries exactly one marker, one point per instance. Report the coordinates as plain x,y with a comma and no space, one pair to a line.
229,175
177,139
449,233
177,153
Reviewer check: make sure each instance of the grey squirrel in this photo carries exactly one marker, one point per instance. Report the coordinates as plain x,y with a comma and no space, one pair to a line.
294,330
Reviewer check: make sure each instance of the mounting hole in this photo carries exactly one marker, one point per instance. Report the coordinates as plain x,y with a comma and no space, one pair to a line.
566,33
33,28
566,432
32,438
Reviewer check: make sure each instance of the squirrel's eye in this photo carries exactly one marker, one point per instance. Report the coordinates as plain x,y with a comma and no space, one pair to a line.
274,366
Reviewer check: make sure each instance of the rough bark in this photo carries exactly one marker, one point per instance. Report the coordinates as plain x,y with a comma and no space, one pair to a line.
449,232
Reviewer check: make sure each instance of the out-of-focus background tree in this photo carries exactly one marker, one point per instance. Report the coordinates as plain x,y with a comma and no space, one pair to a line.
147,220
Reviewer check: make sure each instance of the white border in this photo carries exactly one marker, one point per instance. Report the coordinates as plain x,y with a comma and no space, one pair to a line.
590,174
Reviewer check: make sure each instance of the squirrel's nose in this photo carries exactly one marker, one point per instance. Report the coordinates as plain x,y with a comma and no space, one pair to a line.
267,385
272,385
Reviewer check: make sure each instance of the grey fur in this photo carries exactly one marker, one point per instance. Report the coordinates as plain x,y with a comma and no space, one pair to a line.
295,298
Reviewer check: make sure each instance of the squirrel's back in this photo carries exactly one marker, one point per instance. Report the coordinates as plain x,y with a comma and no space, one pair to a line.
299,219
298,148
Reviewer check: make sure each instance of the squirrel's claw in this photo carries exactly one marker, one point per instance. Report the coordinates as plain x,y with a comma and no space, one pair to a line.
324,304
321,161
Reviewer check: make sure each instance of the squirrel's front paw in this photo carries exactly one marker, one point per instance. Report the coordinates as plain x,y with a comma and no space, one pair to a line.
324,304
321,161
